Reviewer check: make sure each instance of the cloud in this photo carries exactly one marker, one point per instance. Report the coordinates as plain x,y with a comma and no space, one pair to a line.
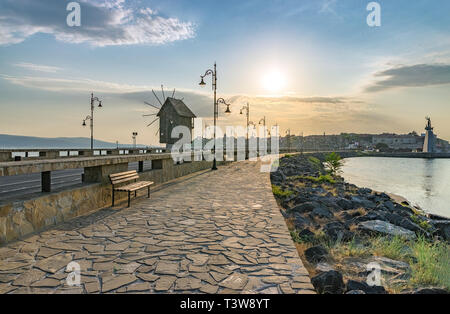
103,23
328,6
419,75
313,115
37,67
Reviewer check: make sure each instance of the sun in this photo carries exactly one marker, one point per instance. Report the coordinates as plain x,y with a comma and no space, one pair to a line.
273,81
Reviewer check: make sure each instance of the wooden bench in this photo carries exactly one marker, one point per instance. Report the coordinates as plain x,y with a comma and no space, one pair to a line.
126,177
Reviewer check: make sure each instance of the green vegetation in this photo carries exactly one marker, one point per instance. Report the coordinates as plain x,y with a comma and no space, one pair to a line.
429,261
316,163
321,179
425,225
333,163
278,191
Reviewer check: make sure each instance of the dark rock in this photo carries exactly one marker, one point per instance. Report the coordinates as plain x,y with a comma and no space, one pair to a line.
361,202
345,204
374,215
316,254
355,292
300,222
364,191
389,205
408,224
305,207
306,234
337,231
357,285
430,291
385,228
403,210
329,282
322,213
443,228
394,219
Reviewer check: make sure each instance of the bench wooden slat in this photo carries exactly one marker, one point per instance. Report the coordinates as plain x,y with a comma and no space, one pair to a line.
135,186
114,175
125,179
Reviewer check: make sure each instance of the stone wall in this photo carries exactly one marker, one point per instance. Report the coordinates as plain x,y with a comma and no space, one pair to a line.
21,218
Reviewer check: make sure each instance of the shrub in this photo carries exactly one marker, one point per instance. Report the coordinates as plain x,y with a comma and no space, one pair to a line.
333,163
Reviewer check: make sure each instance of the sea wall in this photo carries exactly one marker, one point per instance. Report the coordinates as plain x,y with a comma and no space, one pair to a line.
24,217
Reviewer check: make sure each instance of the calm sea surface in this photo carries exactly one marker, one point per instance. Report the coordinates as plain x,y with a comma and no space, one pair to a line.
424,182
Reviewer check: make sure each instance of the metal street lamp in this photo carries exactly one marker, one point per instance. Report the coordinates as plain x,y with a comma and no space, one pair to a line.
134,135
247,109
91,117
288,133
213,73
263,122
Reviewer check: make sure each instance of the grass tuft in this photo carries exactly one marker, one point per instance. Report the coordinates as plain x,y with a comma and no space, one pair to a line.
278,191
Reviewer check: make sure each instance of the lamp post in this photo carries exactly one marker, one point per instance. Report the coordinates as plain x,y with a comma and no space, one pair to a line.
134,135
263,122
247,111
288,133
213,73
91,117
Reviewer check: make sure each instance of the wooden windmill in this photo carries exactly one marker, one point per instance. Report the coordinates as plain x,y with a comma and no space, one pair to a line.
172,112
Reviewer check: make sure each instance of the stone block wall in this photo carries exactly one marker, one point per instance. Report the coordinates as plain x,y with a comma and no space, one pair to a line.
22,218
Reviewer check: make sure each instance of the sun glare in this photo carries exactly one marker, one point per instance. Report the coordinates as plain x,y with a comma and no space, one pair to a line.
273,81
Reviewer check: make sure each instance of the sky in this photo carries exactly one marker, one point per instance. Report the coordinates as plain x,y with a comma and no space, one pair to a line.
308,66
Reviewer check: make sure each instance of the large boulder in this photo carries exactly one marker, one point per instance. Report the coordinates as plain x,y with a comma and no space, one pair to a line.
430,291
321,212
362,202
385,228
443,227
316,254
329,282
336,231
363,286
300,222
305,207
344,203
306,234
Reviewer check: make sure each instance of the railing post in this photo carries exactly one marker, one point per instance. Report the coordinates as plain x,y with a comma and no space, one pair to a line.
46,181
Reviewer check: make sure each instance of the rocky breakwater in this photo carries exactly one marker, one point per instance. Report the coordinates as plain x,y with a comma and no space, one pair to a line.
355,240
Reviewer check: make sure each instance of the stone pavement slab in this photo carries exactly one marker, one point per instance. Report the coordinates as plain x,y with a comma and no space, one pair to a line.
212,232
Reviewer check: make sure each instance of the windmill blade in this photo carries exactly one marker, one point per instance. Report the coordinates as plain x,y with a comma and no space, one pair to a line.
157,131
157,97
162,89
151,105
153,122
173,94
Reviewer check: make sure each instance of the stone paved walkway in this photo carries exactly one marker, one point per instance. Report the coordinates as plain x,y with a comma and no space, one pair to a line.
215,232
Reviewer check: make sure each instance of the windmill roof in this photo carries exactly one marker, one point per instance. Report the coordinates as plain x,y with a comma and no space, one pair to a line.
179,106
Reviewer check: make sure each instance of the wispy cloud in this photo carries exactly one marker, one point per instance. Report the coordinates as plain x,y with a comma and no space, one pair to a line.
38,67
103,23
419,75
328,6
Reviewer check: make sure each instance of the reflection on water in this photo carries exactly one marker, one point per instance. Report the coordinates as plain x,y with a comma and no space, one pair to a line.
424,182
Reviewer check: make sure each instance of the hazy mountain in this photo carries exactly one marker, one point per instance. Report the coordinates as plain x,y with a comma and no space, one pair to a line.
17,141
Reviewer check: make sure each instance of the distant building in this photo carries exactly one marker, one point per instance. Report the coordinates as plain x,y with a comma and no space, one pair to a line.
404,142
174,112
